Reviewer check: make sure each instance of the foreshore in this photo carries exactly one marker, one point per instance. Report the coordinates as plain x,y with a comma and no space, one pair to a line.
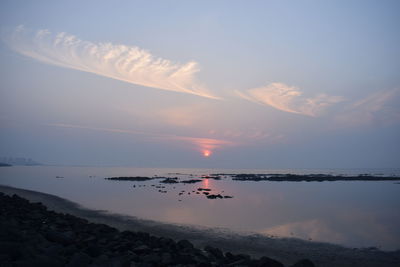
286,251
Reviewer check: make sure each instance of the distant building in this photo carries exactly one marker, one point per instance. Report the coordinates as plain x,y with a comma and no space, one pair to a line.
19,161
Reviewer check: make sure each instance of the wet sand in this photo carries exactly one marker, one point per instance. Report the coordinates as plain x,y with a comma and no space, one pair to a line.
286,250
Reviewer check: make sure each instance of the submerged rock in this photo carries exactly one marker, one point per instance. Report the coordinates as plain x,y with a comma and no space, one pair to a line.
309,177
214,196
130,178
192,181
170,181
203,189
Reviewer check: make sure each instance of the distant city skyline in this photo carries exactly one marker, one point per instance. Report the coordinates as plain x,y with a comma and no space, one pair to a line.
18,161
227,84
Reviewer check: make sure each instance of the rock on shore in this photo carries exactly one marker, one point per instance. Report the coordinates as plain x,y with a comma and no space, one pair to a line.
31,235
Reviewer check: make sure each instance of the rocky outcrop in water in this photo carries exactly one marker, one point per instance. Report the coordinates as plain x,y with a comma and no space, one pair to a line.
309,177
130,178
170,181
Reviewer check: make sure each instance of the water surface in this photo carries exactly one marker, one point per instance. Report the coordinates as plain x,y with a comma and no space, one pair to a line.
354,214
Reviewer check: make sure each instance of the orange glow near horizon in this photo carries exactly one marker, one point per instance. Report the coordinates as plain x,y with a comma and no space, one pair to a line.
206,153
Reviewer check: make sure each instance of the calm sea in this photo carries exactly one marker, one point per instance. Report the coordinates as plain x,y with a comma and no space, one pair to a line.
353,214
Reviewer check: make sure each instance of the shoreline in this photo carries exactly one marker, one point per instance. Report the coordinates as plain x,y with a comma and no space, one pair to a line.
286,250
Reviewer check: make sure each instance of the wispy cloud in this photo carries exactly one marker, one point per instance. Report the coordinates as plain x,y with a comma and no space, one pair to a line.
122,62
380,107
289,99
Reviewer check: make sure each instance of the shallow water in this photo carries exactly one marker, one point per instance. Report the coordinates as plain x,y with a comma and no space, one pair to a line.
354,214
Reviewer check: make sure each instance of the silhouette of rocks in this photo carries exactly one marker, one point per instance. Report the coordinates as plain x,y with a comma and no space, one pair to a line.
304,263
203,189
309,177
192,181
130,178
31,235
215,177
214,196
169,181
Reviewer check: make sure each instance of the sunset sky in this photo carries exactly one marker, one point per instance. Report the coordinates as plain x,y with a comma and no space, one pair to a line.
219,84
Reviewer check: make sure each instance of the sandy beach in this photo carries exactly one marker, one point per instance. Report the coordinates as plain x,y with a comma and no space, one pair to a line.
286,250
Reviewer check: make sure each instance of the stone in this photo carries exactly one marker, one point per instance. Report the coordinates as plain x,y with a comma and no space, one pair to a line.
30,235
166,258
268,262
185,244
151,258
216,252
62,238
79,259
94,250
304,263
141,249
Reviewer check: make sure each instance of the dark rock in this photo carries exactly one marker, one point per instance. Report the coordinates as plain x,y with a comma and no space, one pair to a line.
62,238
184,244
241,262
141,249
229,256
214,196
94,250
45,261
30,235
166,258
11,249
21,263
133,178
243,256
192,181
217,253
304,263
203,189
184,258
169,181
79,259
151,258
215,177
310,177
54,250
69,250
101,259
167,243
267,262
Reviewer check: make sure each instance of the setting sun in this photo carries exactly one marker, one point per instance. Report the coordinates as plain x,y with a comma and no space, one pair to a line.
206,153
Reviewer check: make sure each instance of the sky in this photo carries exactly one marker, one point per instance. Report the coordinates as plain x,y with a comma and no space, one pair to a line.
214,84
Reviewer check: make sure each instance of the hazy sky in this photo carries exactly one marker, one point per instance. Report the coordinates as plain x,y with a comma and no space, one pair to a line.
229,84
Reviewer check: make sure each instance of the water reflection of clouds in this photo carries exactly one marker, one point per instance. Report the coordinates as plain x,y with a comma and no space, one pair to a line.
354,230
316,230
184,213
